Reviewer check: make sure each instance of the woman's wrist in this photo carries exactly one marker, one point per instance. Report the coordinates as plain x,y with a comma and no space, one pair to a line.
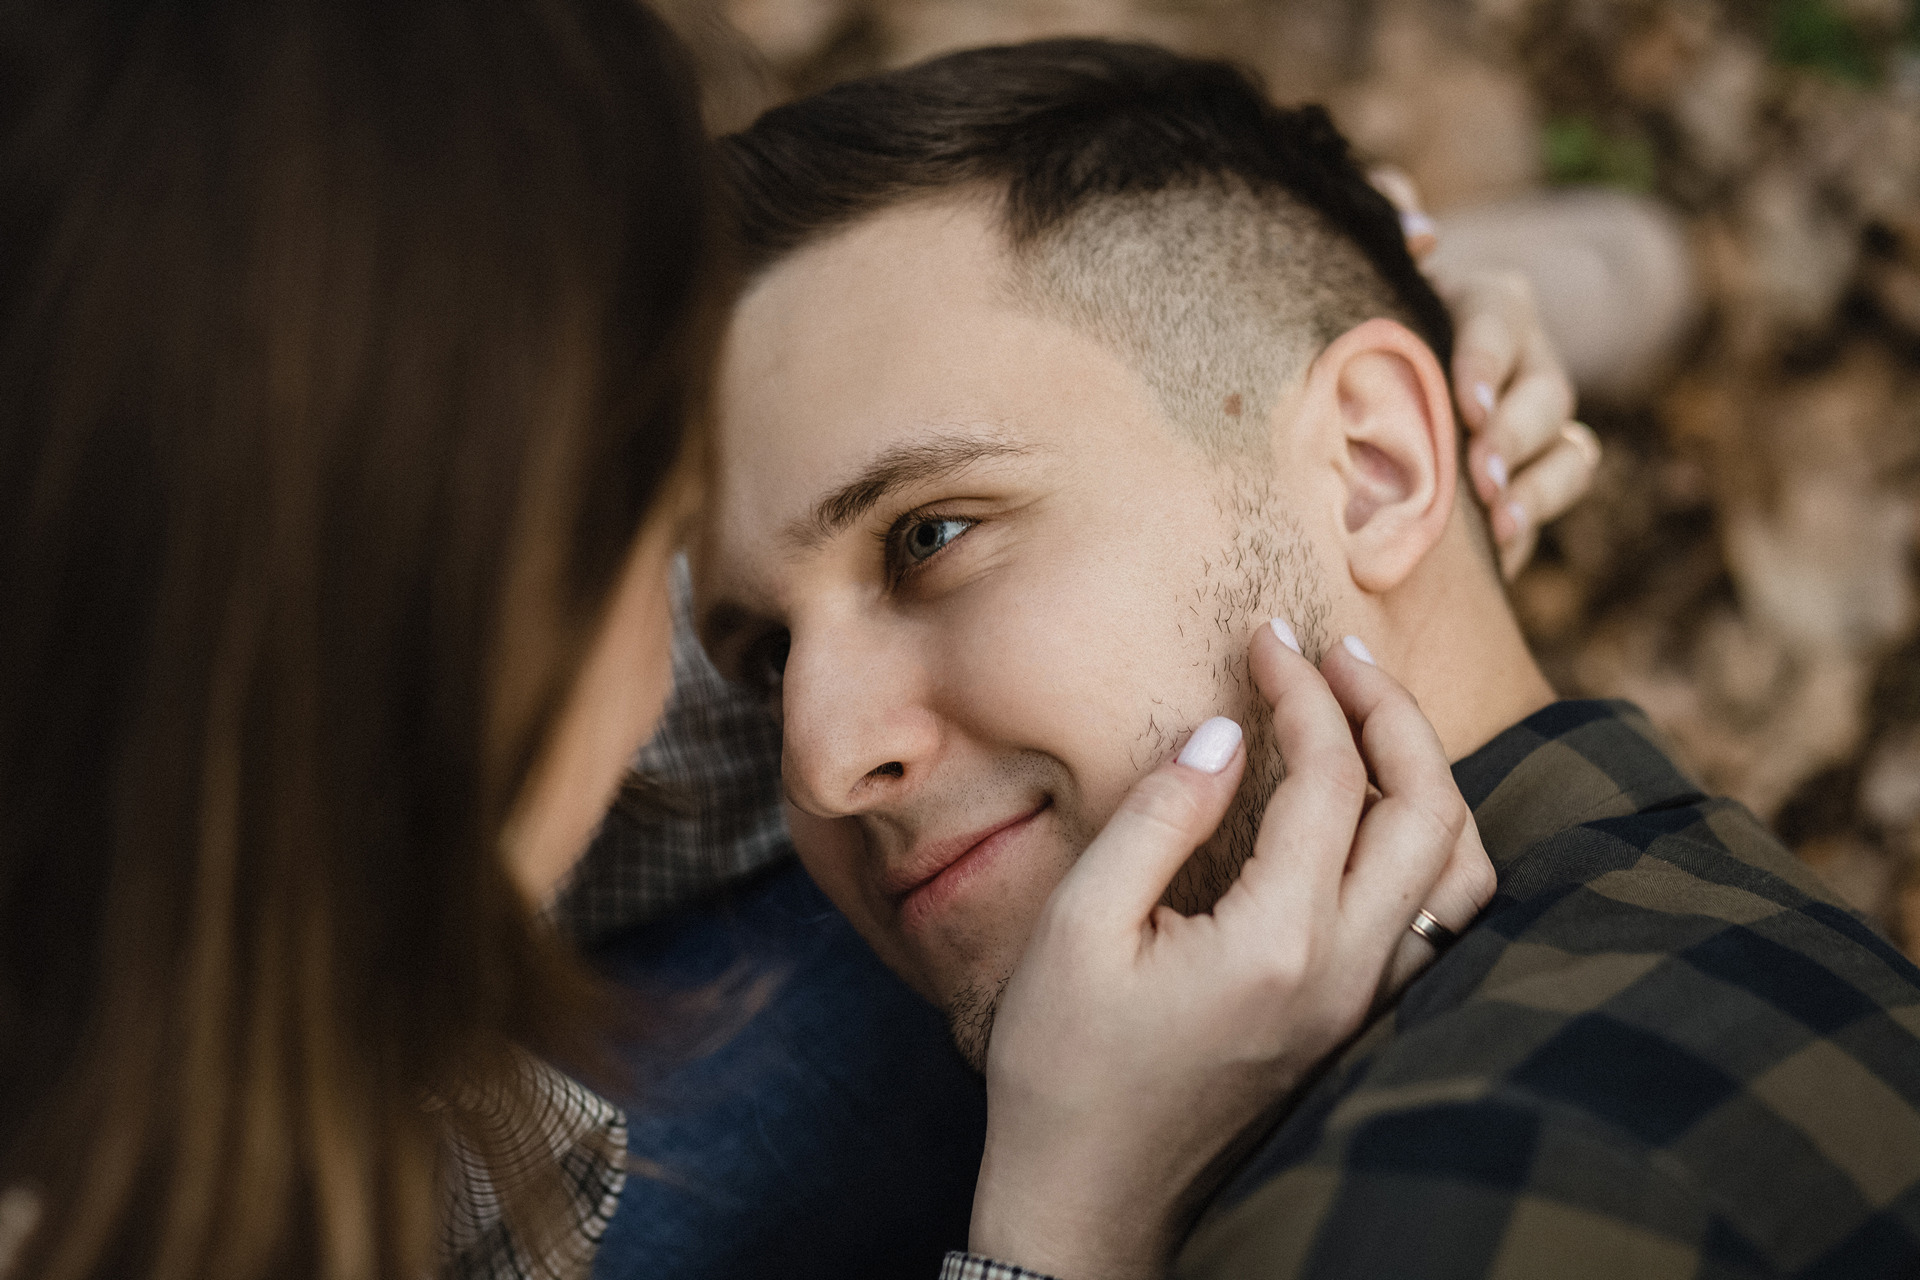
1067,1217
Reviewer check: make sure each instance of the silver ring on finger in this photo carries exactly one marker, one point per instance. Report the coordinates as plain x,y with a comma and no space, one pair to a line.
1437,935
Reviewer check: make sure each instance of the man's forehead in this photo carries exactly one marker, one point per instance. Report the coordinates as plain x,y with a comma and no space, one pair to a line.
875,355
889,355
951,243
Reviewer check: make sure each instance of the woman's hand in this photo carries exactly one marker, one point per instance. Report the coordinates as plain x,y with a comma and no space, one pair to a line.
1134,1044
1529,461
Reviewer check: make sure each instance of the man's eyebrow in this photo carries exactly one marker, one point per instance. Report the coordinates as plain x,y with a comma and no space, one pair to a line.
903,465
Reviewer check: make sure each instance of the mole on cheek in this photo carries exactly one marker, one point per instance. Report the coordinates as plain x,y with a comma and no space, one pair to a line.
1232,406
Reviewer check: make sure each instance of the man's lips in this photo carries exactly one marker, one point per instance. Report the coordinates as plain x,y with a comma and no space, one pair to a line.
916,884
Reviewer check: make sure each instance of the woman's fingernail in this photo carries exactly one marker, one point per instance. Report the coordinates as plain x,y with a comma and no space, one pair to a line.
1358,650
1415,223
1497,470
1285,632
1483,396
1517,514
1212,745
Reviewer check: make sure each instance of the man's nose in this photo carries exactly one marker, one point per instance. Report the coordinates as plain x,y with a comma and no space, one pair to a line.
858,729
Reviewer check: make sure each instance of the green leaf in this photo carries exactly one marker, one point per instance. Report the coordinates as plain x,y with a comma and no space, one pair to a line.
1579,152
1816,36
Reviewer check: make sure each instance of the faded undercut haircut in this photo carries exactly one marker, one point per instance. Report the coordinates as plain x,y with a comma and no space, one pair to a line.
1160,204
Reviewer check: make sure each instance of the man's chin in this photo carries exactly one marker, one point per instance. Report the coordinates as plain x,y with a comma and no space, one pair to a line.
970,1014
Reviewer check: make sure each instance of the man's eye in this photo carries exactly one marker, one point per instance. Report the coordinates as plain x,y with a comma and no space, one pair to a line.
925,537
764,663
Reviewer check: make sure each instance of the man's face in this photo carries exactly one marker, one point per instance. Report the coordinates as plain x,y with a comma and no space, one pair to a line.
1005,585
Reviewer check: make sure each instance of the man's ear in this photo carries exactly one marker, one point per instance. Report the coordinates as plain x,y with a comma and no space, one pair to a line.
1383,408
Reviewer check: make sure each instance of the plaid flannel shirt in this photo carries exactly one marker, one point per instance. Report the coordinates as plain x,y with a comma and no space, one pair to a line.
575,1128
971,1266
1663,1050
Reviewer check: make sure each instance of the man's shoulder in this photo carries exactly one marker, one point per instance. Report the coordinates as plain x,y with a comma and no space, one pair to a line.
1663,1045
1682,908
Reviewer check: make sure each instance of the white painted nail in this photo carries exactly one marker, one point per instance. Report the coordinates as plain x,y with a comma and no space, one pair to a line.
1353,646
1212,745
1285,632
1483,396
1415,223
1497,470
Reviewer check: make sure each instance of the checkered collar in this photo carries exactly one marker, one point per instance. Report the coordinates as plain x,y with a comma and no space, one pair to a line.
1569,763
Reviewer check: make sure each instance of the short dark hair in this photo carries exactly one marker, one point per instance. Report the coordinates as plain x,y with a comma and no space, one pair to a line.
1063,130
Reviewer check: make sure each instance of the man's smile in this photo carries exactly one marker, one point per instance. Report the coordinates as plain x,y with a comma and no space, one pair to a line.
936,874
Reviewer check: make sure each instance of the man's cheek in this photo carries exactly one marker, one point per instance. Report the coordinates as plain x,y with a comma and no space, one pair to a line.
985,937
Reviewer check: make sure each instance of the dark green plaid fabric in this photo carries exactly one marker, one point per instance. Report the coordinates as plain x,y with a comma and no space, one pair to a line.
1664,1050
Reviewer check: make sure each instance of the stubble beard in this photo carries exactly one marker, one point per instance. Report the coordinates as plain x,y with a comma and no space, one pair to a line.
970,1014
1267,571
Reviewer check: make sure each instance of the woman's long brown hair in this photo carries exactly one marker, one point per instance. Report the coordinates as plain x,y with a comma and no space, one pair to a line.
343,347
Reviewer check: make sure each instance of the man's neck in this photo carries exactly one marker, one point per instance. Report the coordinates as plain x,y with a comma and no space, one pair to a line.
1450,636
